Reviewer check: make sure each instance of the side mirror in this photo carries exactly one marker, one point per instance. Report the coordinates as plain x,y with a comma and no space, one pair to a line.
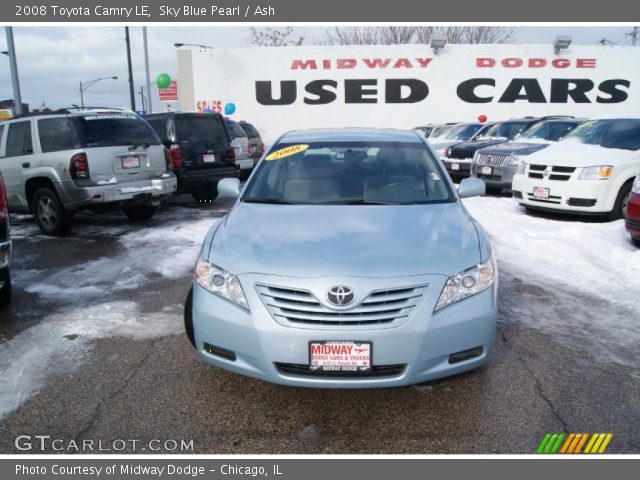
230,187
472,187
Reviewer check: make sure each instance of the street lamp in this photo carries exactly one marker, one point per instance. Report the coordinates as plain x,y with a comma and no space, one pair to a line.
85,85
438,43
178,45
561,42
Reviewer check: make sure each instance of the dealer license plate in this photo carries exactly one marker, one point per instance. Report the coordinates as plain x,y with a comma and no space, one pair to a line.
209,158
340,356
130,162
486,170
541,193
455,166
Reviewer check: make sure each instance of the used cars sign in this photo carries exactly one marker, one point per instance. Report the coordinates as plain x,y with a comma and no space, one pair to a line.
407,85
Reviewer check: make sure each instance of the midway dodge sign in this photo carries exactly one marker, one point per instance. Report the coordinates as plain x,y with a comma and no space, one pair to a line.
402,86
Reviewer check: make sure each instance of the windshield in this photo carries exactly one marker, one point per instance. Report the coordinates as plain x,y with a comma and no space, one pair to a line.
235,130
108,130
200,128
441,130
622,133
552,131
507,129
426,131
462,132
349,173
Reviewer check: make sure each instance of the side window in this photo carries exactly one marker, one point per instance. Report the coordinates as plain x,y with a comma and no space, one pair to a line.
624,134
56,134
161,128
1,132
19,139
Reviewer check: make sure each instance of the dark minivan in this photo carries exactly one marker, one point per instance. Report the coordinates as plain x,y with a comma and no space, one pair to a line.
200,150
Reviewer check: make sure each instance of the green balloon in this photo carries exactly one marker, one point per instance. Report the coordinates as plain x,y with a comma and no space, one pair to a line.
163,80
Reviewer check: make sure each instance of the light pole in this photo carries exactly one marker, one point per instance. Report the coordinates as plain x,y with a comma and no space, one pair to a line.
146,69
13,65
85,85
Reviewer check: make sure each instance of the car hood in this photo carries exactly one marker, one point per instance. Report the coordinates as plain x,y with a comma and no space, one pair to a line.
339,240
515,148
575,154
443,143
474,145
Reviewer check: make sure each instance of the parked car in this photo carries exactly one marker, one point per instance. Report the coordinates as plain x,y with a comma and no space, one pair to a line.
433,130
56,164
348,261
463,132
632,218
460,156
5,247
497,165
590,172
200,150
242,147
256,145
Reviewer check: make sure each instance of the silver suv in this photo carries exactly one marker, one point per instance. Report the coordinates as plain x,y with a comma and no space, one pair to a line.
58,163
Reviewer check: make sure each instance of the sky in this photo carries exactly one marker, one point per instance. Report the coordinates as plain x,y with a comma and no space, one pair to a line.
52,61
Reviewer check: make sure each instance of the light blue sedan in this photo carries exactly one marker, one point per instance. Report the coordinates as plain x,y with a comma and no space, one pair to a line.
348,261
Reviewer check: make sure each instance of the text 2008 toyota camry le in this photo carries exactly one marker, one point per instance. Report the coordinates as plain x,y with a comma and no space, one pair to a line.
347,261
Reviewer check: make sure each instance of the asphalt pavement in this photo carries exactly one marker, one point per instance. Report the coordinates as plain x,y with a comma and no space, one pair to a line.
75,365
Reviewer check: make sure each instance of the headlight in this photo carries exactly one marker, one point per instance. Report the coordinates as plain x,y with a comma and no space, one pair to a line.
449,150
522,167
220,282
467,283
599,172
441,152
514,160
636,185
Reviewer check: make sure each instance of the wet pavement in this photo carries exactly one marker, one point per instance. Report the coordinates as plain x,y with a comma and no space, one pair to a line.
92,349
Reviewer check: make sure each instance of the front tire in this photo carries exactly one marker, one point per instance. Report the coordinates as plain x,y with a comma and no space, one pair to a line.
636,241
188,318
51,216
620,207
140,213
5,291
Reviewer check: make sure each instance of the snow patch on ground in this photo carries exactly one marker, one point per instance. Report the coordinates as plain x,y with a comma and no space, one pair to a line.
60,342
170,251
595,260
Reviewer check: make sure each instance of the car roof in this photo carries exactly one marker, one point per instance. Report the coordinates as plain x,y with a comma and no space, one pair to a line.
351,135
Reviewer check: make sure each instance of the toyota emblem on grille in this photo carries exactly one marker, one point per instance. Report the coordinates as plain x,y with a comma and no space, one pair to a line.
340,296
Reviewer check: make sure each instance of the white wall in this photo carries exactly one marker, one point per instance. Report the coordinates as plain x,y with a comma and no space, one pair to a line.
216,77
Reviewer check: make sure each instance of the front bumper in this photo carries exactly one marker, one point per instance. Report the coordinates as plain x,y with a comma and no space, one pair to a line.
6,252
422,345
458,168
141,191
573,195
500,176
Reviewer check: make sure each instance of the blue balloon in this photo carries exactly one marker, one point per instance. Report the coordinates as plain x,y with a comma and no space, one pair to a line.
229,108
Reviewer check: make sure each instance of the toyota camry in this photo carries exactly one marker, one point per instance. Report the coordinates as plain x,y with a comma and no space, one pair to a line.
347,261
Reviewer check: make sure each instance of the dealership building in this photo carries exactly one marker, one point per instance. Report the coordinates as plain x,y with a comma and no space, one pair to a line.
402,86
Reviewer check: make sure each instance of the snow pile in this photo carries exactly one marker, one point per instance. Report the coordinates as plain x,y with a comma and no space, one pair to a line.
60,342
597,258
169,250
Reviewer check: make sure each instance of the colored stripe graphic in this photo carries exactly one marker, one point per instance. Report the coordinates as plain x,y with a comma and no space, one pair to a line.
573,443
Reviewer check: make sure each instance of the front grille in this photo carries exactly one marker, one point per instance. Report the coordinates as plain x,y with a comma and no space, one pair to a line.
297,307
305,371
582,202
557,173
492,160
460,154
493,177
551,199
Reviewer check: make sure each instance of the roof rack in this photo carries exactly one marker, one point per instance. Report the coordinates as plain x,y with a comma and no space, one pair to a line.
65,110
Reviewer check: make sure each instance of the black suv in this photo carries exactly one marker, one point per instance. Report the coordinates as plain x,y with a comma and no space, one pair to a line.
459,156
200,150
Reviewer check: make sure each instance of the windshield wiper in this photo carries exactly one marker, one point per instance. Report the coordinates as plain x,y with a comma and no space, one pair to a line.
362,201
268,200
